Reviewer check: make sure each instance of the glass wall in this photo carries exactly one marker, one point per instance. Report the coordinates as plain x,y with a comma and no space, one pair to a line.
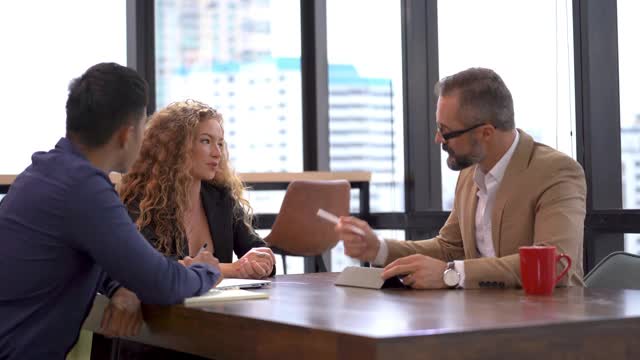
242,58
365,96
632,243
44,47
628,65
531,48
628,60
365,102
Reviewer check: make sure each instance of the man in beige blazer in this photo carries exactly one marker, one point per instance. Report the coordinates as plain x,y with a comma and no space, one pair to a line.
511,192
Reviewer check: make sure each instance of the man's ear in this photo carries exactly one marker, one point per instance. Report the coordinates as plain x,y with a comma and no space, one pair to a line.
488,131
123,134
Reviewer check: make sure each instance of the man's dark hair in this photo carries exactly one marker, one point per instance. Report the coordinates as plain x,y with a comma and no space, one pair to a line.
483,96
106,97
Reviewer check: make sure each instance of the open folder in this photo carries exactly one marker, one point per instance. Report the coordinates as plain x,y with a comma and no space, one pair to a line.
216,295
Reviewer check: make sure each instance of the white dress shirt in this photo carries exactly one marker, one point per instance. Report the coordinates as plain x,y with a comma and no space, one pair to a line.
488,185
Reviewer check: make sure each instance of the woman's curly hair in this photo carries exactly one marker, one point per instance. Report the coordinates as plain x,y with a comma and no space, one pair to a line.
157,186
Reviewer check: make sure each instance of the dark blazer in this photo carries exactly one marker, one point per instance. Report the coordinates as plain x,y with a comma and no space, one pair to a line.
228,231
229,234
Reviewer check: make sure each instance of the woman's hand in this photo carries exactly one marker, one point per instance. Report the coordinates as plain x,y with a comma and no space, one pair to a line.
262,255
257,263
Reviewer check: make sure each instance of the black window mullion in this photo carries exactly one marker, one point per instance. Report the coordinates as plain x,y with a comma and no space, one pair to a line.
315,95
423,183
141,44
315,87
598,117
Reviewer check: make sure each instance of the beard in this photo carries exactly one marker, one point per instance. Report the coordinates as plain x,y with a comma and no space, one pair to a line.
457,162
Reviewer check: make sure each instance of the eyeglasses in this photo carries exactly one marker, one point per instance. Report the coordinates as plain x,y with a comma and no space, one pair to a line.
454,134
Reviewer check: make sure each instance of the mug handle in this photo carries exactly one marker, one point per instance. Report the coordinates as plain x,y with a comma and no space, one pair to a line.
566,269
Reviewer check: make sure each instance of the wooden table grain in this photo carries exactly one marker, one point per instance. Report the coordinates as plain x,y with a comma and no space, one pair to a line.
307,317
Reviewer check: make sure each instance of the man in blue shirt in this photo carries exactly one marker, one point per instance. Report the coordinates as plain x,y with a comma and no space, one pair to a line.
62,225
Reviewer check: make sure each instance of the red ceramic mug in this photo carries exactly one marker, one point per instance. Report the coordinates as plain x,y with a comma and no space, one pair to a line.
538,269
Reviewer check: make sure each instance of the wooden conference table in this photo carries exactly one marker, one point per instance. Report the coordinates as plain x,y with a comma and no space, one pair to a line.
307,317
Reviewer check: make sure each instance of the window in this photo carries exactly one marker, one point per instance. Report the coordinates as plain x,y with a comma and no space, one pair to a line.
628,59
365,96
225,68
531,48
632,241
365,101
261,39
37,67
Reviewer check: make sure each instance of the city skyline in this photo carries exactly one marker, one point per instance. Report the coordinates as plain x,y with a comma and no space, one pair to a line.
208,51
263,29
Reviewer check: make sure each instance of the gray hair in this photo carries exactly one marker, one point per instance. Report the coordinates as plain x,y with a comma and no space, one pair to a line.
482,95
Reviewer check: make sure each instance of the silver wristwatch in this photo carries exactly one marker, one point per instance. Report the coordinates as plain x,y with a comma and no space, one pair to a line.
450,276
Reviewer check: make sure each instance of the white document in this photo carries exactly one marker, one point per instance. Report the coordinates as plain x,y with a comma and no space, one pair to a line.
215,295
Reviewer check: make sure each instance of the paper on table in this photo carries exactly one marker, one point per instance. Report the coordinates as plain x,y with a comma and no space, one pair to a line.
215,295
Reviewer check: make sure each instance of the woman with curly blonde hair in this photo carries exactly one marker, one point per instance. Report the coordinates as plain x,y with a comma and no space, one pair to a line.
184,196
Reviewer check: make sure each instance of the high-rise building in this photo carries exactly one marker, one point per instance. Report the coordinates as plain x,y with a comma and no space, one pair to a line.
260,102
363,132
630,148
219,52
199,34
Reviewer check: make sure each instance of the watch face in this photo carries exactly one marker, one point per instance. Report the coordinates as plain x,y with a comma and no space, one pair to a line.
451,277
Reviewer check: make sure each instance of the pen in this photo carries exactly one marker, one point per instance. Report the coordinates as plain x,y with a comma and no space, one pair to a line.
334,219
204,247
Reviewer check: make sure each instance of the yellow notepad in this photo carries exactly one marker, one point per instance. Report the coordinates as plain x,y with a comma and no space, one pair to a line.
215,295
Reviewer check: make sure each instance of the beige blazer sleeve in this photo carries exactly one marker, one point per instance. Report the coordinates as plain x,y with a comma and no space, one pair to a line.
446,246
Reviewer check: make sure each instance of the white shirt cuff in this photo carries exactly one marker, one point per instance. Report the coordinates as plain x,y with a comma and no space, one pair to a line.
458,265
383,253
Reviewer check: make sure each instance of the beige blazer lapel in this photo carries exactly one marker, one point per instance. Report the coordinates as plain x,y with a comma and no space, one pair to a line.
509,185
468,221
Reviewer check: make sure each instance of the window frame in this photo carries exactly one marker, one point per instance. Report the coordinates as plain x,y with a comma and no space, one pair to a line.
596,97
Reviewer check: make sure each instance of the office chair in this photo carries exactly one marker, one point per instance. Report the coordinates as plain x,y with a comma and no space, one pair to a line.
297,230
619,270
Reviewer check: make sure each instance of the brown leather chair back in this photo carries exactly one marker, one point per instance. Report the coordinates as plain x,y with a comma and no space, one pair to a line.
297,229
